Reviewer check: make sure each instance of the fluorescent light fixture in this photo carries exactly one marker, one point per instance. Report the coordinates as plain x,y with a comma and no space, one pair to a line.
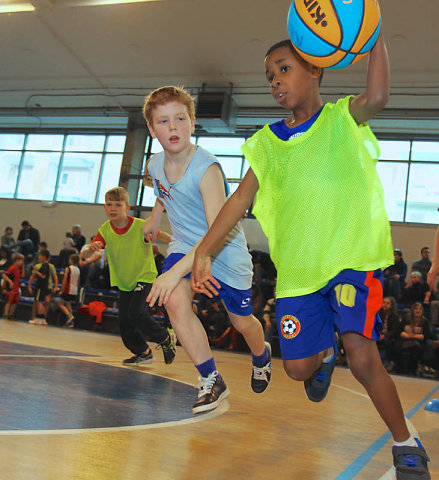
91,3
9,6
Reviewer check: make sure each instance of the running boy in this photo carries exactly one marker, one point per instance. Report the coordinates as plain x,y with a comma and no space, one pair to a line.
16,271
132,270
320,203
46,284
190,183
69,289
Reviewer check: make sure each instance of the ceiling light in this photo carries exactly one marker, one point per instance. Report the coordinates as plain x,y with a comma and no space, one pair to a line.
90,3
9,6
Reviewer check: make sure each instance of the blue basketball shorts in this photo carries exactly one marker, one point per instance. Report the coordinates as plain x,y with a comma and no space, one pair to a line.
348,303
236,301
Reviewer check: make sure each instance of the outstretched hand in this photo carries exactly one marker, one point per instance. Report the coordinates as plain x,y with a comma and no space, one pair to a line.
202,280
162,288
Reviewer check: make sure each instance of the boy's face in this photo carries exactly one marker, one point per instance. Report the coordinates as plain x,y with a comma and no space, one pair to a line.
291,79
20,262
116,210
42,258
172,126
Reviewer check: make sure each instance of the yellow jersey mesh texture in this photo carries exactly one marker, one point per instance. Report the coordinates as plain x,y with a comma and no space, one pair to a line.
130,258
320,201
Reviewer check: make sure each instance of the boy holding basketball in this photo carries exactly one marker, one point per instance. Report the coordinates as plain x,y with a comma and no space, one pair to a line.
319,197
132,270
190,183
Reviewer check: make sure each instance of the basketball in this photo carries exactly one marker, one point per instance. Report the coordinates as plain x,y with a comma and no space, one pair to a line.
333,33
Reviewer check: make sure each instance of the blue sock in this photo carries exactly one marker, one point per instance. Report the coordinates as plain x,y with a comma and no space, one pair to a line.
206,367
261,360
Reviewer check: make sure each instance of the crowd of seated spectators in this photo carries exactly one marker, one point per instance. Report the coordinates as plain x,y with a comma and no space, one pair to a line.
410,314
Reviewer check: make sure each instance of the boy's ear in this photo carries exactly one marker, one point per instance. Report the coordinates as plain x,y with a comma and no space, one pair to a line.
315,71
151,131
193,126
128,208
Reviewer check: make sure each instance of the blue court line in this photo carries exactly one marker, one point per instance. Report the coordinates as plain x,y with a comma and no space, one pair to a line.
358,464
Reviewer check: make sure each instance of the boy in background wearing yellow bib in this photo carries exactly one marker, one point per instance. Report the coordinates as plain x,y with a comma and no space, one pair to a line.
132,270
321,204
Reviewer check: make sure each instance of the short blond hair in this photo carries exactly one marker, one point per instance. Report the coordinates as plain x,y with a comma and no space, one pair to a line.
17,256
163,95
117,194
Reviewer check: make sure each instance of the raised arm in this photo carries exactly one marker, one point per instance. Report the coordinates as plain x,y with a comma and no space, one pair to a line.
365,106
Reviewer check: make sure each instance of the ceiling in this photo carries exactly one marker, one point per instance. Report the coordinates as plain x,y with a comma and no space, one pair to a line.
64,60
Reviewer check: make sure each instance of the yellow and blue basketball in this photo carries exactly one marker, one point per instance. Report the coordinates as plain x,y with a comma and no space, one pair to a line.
333,33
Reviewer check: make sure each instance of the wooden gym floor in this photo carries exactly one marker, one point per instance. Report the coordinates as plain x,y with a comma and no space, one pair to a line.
70,411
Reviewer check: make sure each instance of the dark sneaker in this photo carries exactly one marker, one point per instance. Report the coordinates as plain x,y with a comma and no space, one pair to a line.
261,376
168,347
141,359
317,386
211,392
411,462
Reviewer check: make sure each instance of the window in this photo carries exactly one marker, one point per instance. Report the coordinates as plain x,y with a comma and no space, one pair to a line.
9,165
423,193
394,179
38,175
11,141
82,173
81,168
110,174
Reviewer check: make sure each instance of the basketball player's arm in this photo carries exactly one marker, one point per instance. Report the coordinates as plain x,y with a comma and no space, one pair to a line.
163,236
151,225
55,281
232,211
365,106
29,283
433,273
64,280
92,249
7,279
213,193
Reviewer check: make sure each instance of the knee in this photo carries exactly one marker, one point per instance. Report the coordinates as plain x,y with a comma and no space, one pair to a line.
300,370
364,368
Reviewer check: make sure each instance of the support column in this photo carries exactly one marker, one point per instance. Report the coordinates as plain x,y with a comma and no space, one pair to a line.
133,155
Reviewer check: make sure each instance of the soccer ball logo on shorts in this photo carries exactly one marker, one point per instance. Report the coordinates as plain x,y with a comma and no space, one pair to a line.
289,326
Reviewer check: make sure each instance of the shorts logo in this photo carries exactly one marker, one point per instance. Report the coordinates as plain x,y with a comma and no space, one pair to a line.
245,302
289,326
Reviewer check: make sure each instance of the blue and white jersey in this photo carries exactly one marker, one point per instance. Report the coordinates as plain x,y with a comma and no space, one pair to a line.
185,208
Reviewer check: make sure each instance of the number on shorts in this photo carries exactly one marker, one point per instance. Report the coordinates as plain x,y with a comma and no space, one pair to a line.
345,294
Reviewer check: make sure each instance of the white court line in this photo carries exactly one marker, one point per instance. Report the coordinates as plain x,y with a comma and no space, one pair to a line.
351,391
220,410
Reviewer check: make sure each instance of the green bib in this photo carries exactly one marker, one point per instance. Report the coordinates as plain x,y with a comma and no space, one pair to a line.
320,201
130,258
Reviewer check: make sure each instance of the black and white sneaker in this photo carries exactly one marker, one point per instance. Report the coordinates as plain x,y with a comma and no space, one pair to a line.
411,462
261,376
212,390
168,347
141,359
